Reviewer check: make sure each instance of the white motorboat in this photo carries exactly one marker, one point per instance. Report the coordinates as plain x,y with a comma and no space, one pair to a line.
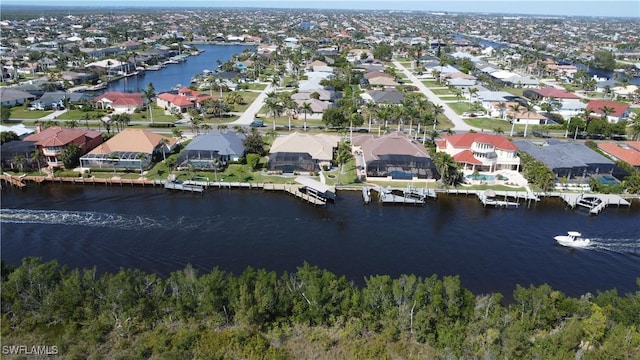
573,239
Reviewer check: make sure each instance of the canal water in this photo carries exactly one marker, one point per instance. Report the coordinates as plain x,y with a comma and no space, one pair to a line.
173,74
160,231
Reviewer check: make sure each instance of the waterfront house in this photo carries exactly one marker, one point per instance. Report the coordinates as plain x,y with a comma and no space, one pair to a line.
212,150
480,151
17,154
181,102
297,152
130,149
619,111
392,156
119,101
51,141
567,159
628,152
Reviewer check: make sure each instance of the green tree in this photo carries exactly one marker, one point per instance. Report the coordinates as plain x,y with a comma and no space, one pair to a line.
6,136
150,94
253,160
254,143
343,155
447,168
70,156
5,113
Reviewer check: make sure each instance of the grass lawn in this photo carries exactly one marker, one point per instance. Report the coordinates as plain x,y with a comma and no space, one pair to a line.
77,115
513,91
489,124
22,113
248,97
348,177
459,107
431,83
256,86
445,91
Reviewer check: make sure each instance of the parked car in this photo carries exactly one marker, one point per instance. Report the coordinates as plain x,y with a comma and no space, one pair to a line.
257,123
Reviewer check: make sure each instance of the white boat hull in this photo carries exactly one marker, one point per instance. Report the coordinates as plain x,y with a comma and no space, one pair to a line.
572,242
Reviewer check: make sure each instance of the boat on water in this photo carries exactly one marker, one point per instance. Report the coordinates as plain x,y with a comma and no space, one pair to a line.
573,239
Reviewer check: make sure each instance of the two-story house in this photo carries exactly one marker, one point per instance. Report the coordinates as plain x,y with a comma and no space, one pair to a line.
482,152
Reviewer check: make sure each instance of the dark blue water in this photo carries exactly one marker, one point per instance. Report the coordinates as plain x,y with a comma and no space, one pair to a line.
174,74
160,231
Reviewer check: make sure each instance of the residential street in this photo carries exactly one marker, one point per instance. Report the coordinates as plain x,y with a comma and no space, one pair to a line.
249,115
458,123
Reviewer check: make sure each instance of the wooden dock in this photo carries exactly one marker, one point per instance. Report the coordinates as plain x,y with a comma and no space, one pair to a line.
408,196
169,185
15,181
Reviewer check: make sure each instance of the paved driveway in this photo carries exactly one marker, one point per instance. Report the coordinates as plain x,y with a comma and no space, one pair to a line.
249,115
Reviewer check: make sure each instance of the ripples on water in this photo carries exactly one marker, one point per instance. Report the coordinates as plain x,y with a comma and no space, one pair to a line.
154,230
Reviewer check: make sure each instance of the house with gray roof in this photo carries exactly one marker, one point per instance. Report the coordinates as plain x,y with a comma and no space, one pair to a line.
393,97
12,97
392,156
212,150
568,159
56,99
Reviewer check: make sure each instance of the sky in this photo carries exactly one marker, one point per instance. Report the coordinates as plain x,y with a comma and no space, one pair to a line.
608,8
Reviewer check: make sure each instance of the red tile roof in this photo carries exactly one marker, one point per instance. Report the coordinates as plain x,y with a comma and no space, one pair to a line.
465,140
58,136
177,100
121,98
597,105
556,93
466,157
623,152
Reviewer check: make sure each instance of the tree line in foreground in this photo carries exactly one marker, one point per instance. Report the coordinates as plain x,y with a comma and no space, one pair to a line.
309,313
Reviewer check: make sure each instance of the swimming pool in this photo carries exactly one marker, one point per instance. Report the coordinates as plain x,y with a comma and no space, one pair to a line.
484,177
607,180
481,177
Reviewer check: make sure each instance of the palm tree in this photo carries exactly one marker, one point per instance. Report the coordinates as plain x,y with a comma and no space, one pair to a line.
515,108
472,92
634,124
529,108
274,107
149,94
502,106
164,143
447,168
177,133
37,157
606,111
343,155
306,109
437,110
114,160
234,98
141,157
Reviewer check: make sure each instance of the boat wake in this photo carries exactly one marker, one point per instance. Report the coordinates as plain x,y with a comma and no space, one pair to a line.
623,246
82,218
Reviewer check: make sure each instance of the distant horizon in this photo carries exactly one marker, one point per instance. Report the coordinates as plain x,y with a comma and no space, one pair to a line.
602,8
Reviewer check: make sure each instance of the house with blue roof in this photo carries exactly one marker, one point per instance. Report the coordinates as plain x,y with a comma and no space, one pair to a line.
212,151
568,159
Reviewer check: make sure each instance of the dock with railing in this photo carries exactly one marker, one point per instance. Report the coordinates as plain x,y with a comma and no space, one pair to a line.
595,203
